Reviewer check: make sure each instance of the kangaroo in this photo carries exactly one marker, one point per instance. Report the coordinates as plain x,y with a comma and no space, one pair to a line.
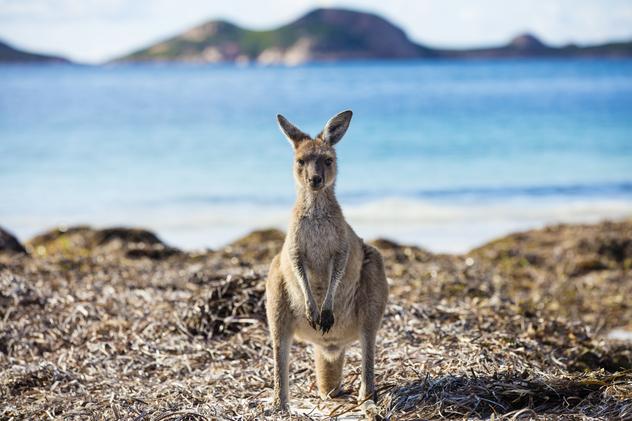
326,286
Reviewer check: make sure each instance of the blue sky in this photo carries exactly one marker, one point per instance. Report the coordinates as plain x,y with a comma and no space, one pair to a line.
96,30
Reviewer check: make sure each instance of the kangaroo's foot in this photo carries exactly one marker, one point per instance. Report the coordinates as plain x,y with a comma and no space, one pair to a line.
277,409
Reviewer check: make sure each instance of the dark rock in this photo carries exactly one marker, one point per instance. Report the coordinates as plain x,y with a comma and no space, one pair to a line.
401,253
154,253
385,244
72,237
126,235
261,236
83,240
10,244
256,247
583,266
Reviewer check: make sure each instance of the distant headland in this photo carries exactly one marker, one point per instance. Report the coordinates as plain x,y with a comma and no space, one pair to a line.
322,35
337,34
9,54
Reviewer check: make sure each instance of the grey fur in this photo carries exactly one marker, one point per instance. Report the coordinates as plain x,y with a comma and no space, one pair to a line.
336,127
293,134
326,286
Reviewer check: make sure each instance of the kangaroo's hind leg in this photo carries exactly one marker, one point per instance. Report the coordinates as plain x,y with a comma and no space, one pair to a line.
329,364
280,321
373,296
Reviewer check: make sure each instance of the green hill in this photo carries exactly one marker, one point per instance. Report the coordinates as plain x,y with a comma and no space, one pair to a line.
337,34
321,35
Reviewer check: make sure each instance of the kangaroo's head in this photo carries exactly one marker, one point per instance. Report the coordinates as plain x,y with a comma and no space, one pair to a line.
315,159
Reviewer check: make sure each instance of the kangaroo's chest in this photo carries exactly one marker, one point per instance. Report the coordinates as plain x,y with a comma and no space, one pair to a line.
318,240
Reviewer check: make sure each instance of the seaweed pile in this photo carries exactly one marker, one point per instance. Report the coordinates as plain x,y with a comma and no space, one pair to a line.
114,324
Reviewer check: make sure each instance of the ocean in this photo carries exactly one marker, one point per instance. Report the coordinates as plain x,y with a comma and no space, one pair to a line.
443,154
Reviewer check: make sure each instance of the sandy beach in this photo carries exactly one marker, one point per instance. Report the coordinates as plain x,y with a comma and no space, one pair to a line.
115,324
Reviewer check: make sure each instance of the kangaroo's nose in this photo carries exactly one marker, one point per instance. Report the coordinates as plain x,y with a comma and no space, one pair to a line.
316,180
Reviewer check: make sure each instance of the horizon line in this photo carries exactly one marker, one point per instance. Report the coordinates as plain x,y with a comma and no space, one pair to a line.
445,47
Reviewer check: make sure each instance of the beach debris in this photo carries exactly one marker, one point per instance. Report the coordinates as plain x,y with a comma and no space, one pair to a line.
16,292
515,329
225,305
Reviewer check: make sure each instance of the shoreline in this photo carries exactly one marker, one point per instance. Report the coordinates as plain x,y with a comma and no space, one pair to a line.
453,228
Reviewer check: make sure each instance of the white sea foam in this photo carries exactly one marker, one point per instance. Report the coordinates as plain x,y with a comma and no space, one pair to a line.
439,226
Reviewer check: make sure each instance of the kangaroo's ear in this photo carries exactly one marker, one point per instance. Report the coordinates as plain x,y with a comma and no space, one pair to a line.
336,127
293,134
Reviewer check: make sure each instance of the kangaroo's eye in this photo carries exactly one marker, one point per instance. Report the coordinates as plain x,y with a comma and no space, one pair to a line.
329,161
300,162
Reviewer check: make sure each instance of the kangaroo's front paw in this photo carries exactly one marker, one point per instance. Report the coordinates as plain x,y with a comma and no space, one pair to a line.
312,315
326,320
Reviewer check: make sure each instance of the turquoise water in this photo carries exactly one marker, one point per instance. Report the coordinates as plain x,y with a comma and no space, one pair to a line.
446,154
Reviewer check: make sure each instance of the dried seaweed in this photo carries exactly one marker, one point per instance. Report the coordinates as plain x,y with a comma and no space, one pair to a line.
511,330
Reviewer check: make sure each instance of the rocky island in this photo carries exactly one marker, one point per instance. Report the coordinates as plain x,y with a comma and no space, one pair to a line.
9,54
336,34
115,324
322,35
